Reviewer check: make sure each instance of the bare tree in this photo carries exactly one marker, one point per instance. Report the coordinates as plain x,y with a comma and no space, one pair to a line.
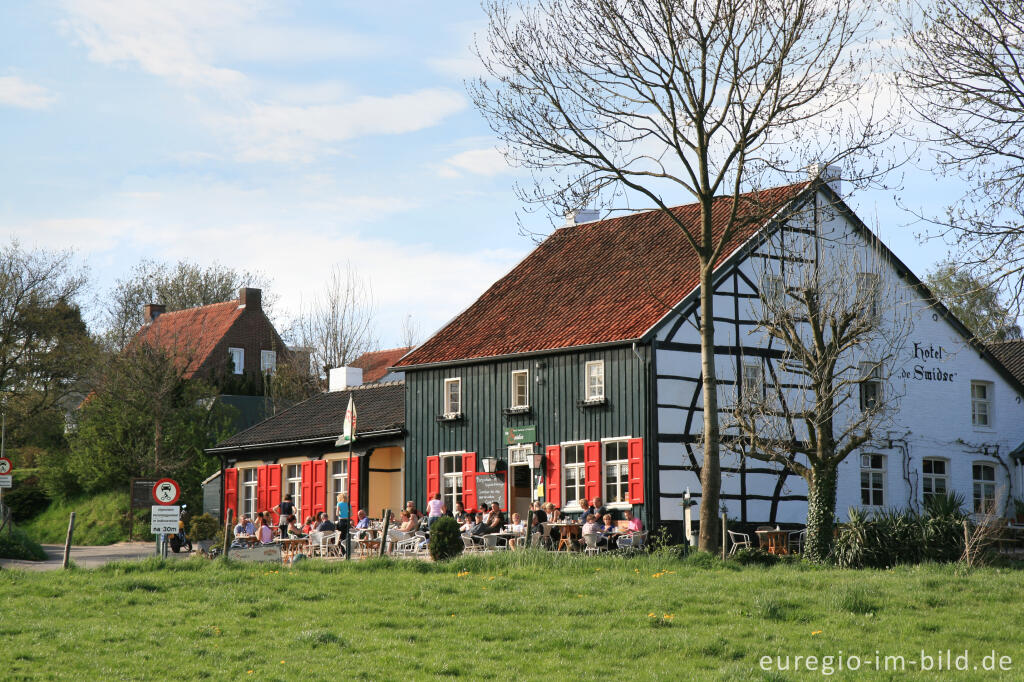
338,326
964,75
657,101
841,326
410,332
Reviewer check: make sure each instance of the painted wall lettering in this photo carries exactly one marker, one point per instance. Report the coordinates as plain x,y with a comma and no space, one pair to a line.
922,372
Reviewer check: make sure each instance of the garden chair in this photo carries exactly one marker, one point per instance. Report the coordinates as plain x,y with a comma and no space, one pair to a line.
738,540
591,539
330,545
314,543
407,544
797,538
491,543
468,545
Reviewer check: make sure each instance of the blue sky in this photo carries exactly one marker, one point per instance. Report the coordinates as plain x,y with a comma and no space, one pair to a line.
283,137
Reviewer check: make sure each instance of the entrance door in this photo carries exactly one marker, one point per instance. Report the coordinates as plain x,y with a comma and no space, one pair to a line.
520,483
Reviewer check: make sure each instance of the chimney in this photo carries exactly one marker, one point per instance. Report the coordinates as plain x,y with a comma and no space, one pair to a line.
584,215
151,311
830,175
250,298
344,378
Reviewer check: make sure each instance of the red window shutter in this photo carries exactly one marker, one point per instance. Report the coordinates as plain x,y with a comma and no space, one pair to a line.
307,491
635,449
262,490
353,486
553,484
433,476
231,493
319,487
469,481
274,489
592,464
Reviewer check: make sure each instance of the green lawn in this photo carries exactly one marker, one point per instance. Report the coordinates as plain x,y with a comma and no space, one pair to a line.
519,616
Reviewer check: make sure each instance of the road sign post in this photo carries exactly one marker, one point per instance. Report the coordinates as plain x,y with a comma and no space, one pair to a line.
163,522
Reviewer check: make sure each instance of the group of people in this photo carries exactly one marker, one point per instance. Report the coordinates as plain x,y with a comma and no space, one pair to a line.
262,526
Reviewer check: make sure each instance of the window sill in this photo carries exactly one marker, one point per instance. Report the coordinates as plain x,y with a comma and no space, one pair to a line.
594,402
509,411
450,417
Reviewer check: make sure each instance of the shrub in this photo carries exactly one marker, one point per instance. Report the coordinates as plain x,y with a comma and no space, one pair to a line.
755,557
27,500
18,545
203,527
445,539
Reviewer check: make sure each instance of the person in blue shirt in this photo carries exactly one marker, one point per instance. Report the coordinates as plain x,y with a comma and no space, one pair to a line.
343,509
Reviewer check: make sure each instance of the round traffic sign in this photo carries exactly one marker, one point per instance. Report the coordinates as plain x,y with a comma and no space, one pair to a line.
166,491
5,466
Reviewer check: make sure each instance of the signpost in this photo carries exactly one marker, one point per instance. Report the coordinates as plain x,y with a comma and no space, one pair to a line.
6,481
165,514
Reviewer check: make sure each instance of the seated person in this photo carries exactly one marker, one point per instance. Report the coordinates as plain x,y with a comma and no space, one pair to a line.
517,525
587,508
635,524
538,512
554,515
363,520
460,513
468,523
599,509
326,525
409,522
309,526
591,527
264,531
410,508
496,520
293,527
244,526
608,526
480,527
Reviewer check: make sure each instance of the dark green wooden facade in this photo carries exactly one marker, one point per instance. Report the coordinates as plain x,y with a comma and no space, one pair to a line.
554,401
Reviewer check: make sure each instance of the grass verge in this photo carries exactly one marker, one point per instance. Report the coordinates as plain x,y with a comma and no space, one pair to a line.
18,545
99,520
522,615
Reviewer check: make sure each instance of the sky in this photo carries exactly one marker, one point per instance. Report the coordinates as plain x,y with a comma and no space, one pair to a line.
283,137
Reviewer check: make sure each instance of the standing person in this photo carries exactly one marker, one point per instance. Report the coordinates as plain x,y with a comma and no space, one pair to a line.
283,511
342,509
435,509
599,509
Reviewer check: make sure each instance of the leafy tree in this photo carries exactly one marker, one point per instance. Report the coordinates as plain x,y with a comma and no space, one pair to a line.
179,286
665,99
974,302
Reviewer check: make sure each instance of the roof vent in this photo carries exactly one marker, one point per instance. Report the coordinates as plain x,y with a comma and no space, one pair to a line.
584,215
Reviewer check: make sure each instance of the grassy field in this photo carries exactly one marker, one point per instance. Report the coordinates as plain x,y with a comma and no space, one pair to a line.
518,616
99,520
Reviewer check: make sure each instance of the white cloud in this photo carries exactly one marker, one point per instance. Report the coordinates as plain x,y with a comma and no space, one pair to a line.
488,162
15,92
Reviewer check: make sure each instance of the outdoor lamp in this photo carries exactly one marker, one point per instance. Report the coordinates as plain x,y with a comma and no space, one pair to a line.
489,464
536,460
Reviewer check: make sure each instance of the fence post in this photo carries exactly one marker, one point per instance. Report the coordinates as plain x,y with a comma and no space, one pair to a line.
227,532
725,533
67,542
529,527
384,532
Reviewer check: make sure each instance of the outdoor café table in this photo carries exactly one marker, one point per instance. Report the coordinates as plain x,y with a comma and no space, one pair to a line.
291,546
511,538
247,540
775,541
566,532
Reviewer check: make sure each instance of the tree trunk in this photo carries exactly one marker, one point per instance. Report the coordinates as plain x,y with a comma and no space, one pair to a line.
821,513
710,472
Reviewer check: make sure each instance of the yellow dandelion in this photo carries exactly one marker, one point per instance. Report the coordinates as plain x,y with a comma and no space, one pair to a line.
651,614
816,632
249,671
282,661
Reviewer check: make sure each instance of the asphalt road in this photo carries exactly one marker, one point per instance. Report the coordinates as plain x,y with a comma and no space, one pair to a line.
89,557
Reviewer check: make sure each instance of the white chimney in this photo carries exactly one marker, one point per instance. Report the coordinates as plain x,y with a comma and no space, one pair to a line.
831,175
344,378
584,215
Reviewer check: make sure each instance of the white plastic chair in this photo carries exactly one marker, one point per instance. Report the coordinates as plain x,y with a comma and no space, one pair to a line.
468,544
738,540
491,543
314,543
797,538
591,540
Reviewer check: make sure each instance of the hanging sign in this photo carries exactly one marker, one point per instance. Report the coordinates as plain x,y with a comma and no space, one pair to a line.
517,435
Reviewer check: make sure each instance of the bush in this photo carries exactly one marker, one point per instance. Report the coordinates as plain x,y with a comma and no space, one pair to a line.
445,539
203,527
27,499
755,557
18,545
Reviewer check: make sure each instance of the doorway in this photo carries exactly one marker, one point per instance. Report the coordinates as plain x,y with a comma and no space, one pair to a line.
520,480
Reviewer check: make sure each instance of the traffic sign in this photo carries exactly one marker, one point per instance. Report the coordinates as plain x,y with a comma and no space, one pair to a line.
6,466
164,519
166,491
6,482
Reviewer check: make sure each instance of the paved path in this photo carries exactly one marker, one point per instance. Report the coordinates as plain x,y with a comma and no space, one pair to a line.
89,557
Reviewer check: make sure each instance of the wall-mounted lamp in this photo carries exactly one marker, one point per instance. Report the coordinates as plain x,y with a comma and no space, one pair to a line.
489,464
536,460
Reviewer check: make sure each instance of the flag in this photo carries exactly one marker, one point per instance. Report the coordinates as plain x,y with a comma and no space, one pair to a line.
349,433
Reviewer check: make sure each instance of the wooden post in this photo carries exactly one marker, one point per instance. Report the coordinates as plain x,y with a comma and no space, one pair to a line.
67,542
529,527
384,532
725,533
227,532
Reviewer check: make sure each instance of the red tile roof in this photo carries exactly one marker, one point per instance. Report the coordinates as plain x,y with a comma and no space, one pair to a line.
593,283
375,363
191,334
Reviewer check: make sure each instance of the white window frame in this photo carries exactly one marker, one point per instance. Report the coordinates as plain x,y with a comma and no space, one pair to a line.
871,381
523,376
875,474
293,485
268,361
869,284
753,383
929,478
981,406
237,357
580,468
451,480
773,293
453,408
985,486
249,492
519,454
593,393
622,472
339,482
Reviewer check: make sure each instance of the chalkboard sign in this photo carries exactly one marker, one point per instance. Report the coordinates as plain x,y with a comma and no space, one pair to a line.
142,492
490,488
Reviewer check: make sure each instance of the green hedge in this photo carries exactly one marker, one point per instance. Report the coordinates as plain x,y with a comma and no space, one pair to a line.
18,545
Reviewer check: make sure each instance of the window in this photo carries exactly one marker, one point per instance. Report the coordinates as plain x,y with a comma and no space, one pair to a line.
934,481
451,480
867,293
521,388
237,357
981,403
594,389
268,361
872,480
293,484
339,481
249,492
753,383
870,386
616,472
519,454
772,292
984,476
573,470
452,397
